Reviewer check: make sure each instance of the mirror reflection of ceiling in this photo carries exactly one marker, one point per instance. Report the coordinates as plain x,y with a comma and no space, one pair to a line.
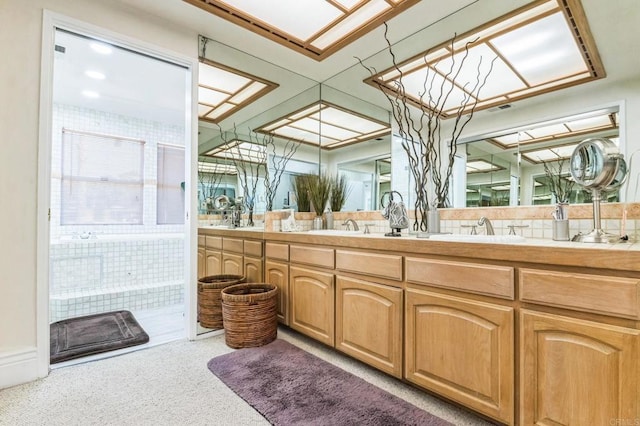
223,90
327,125
539,48
239,150
576,125
316,28
217,168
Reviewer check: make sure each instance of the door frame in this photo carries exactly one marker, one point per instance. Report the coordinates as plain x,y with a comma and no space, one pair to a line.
50,22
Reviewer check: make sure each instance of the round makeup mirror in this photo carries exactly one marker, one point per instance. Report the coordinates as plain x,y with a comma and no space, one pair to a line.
598,165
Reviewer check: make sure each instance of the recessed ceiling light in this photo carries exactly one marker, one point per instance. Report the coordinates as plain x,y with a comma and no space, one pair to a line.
96,75
101,48
90,94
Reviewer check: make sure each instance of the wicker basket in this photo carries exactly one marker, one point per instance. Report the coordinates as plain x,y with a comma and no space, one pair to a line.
209,299
249,314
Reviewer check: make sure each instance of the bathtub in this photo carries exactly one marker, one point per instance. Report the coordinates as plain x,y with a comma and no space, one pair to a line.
115,271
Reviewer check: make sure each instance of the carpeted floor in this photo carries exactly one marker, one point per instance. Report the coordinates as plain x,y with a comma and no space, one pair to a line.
171,385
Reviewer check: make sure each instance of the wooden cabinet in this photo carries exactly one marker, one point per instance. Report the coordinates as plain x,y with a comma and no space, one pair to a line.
312,303
253,269
232,264
577,372
277,273
213,262
369,323
462,349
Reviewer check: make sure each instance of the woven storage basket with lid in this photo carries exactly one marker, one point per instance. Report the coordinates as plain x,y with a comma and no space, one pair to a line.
210,299
249,314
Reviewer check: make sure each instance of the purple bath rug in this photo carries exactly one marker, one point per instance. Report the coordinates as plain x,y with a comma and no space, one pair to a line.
289,386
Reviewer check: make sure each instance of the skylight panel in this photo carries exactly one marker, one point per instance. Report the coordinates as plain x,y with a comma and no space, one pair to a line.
481,166
247,92
218,78
590,123
286,15
501,80
547,131
541,47
211,97
316,28
223,91
339,126
351,22
542,50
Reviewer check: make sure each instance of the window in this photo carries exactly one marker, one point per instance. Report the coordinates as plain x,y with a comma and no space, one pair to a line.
102,179
170,189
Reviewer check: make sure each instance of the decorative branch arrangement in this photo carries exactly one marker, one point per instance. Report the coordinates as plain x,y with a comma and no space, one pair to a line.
277,163
430,153
248,165
560,186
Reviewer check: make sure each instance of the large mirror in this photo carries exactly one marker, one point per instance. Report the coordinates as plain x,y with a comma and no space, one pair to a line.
524,165
501,155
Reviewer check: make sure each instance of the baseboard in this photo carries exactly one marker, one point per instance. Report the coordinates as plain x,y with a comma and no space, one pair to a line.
17,367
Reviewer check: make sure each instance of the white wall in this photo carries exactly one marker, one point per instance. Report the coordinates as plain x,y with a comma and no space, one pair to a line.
20,38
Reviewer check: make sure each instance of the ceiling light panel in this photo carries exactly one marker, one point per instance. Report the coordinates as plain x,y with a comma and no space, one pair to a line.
542,51
360,17
339,126
481,166
316,28
541,47
222,90
216,168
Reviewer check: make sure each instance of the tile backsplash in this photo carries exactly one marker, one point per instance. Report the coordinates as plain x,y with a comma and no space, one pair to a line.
531,222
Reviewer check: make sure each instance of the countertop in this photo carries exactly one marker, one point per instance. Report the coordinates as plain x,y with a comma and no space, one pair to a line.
617,257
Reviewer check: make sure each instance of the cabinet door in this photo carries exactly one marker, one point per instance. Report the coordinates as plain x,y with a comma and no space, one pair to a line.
312,303
253,269
461,349
369,323
577,372
213,262
202,262
277,273
232,264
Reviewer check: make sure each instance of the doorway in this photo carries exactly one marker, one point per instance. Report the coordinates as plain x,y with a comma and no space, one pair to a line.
119,177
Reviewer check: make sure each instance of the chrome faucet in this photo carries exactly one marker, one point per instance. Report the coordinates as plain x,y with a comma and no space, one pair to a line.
350,221
487,224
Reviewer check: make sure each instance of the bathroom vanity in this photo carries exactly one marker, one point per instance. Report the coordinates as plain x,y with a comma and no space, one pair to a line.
539,332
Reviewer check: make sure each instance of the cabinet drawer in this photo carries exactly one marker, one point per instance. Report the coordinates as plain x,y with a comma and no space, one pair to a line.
277,251
491,280
377,265
232,244
602,294
323,257
202,240
253,248
213,242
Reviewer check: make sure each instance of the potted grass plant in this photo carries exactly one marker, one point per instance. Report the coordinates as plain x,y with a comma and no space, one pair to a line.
319,192
339,192
301,189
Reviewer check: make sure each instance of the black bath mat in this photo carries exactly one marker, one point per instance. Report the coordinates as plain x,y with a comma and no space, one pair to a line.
93,334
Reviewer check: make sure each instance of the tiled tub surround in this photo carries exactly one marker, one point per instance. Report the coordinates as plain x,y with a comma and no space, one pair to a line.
536,219
111,271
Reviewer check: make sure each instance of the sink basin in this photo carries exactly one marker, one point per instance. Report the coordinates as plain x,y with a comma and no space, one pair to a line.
468,238
333,232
